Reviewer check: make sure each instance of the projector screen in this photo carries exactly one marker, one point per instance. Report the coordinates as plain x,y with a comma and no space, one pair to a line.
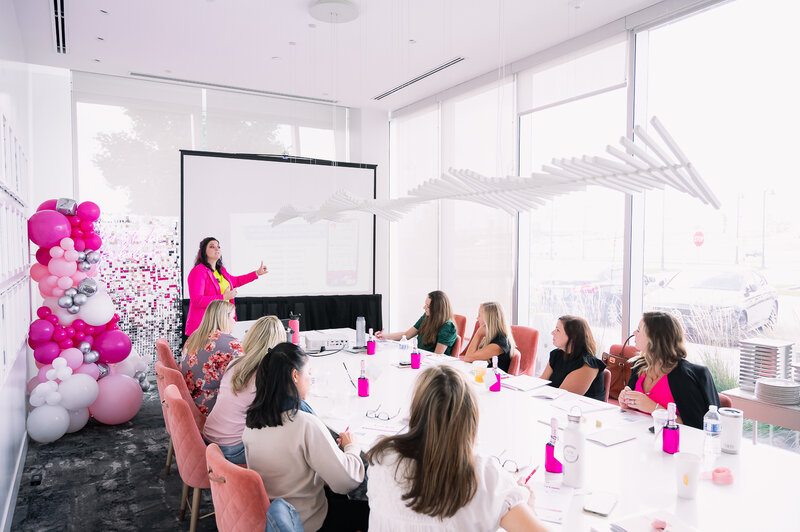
233,197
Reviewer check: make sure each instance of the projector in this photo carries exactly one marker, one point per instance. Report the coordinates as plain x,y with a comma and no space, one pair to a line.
316,340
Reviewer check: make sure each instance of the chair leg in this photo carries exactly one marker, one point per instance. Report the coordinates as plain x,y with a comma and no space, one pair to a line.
170,450
184,501
195,509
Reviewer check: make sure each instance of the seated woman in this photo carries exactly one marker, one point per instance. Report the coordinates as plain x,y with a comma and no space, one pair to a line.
430,477
237,390
663,375
435,329
573,365
493,337
207,353
293,451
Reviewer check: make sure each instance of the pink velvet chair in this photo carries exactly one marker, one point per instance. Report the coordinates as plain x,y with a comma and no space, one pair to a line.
527,340
162,386
165,354
240,500
513,367
607,381
190,452
171,376
461,324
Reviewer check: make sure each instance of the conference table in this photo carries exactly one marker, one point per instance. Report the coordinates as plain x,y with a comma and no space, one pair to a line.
515,426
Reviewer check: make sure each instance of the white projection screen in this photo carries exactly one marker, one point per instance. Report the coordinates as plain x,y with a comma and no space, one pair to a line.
233,198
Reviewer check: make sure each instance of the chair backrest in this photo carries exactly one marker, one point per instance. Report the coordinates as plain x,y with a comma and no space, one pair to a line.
607,381
456,350
165,354
527,340
465,347
169,376
190,449
461,324
724,401
513,367
162,386
240,501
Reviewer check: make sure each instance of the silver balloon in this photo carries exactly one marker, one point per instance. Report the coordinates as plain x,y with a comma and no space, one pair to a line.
81,256
90,356
70,292
93,257
88,250
145,384
80,299
65,301
85,347
67,206
74,309
84,266
140,376
88,286
104,369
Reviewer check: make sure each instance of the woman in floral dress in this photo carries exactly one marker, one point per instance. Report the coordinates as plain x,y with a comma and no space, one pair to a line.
207,353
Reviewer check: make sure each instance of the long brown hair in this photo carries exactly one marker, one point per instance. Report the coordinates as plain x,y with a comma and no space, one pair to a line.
441,477
579,336
202,258
440,313
666,341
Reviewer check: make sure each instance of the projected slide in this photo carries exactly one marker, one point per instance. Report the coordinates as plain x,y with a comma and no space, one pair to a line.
303,259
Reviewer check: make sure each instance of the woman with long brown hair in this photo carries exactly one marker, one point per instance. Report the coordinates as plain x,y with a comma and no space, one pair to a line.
430,477
573,365
435,330
663,375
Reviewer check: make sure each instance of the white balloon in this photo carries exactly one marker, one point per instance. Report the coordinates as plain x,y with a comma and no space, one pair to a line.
126,367
64,316
59,362
77,419
141,363
98,310
37,400
79,391
53,398
64,373
50,374
48,423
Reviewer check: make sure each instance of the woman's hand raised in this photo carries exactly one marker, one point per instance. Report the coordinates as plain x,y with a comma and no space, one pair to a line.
262,269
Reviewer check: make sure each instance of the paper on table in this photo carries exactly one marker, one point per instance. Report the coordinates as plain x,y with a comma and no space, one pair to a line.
643,522
547,392
552,502
609,437
524,383
567,402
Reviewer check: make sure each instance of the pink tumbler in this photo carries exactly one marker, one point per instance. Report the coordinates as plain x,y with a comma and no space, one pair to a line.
294,324
363,387
416,358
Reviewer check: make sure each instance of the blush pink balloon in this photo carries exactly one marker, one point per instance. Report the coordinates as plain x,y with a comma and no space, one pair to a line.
118,401
93,241
89,369
56,252
73,356
41,331
67,244
39,272
64,282
60,267
71,255
47,205
89,211
46,352
43,256
33,383
113,346
42,375
80,245
57,292
47,228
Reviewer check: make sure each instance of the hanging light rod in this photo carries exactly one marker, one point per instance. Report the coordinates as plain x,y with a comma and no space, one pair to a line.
334,11
419,78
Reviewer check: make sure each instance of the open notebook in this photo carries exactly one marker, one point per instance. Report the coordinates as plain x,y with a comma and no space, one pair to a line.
524,383
644,523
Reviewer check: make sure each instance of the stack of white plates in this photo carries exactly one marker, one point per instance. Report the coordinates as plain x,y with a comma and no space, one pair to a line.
778,391
796,367
763,357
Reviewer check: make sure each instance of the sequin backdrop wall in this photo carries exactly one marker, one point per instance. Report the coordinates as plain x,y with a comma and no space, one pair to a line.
141,267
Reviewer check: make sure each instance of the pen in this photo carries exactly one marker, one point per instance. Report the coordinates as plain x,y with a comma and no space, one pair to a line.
535,469
348,428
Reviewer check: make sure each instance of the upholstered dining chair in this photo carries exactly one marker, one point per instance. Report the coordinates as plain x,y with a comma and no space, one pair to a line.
527,340
162,386
171,376
461,324
240,500
165,354
607,381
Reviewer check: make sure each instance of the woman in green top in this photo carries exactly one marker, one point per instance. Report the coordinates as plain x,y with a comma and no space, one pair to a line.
435,329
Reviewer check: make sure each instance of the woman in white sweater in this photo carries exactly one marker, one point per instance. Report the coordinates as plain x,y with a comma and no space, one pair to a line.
293,451
430,479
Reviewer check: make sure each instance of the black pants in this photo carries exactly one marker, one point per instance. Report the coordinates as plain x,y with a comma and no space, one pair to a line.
345,515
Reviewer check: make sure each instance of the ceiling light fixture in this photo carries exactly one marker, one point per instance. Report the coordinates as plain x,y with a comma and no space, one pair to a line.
334,11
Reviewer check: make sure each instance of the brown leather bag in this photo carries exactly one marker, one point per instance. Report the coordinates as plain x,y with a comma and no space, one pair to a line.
619,362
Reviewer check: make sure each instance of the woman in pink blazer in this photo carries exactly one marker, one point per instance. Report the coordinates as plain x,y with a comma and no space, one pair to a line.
209,280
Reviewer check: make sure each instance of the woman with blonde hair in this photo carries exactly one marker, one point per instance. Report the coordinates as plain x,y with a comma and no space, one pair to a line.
573,365
237,390
430,477
207,353
493,337
435,330
663,375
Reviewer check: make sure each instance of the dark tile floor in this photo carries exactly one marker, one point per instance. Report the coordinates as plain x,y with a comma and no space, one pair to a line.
105,478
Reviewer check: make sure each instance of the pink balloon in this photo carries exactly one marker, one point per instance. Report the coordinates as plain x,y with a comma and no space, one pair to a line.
78,276
75,221
67,244
71,255
93,241
47,205
113,346
43,256
33,344
33,383
73,356
87,227
89,338
38,364
112,327
118,401
64,282
43,312
79,325
56,252
42,375
52,318
46,352
47,228
76,233
89,369
39,272
70,331
80,245
60,267
57,292
79,336
66,343
89,211
41,331
90,329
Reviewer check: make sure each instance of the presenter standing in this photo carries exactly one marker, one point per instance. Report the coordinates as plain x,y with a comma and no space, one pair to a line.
209,281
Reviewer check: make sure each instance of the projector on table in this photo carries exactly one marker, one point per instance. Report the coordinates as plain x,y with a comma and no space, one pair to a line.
329,340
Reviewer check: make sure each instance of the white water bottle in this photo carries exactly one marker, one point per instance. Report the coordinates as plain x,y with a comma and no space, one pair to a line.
403,343
361,325
712,427
574,443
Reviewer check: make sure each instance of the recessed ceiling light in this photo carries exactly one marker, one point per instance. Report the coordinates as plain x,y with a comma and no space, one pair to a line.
276,58
167,71
312,26
103,11
96,60
100,39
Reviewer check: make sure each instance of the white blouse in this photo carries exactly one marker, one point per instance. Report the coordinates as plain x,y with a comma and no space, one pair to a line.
497,493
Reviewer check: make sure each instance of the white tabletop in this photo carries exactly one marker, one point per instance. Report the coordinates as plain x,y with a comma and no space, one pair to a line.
762,497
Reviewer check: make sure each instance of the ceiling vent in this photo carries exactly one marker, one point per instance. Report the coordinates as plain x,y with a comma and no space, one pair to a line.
59,26
419,78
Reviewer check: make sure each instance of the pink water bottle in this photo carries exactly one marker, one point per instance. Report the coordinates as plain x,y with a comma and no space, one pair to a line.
371,343
363,382
671,434
416,356
496,386
551,464
294,324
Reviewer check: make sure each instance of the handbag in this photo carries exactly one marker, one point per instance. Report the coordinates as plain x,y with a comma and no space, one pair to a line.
620,368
